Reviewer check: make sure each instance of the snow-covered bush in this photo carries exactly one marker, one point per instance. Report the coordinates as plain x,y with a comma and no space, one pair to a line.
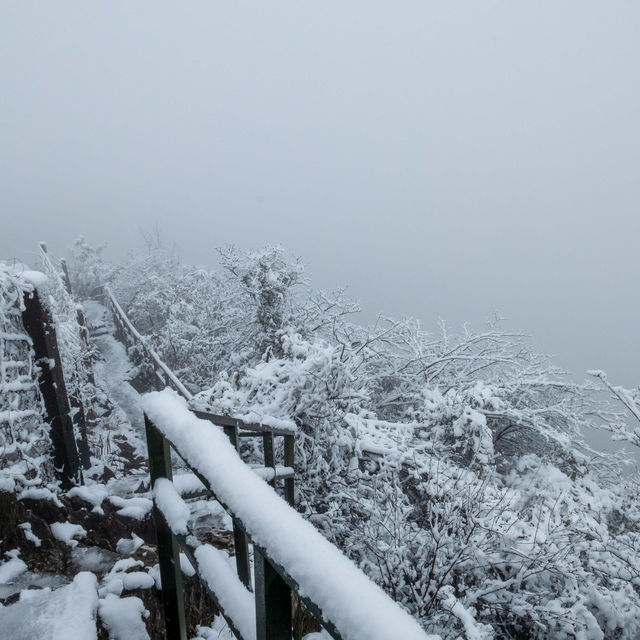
618,422
25,447
450,467
88,271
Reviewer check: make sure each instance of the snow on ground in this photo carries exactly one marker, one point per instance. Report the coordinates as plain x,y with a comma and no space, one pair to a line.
123,618
95,559
67,531
114,372
12,568
94,494
29,535
40,493
219,630
54,606
187,483
30,580
68,613
132,507
128,546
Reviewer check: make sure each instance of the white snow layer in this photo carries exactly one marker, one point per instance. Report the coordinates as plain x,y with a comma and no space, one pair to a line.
237,602
40,493
173,507
11,569
94,494
132,507
358,608
67,531
29,535
187,483
128,546
36,278
122,618
68,613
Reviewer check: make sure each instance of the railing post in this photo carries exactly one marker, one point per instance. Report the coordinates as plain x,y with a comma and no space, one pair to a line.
240,542
80,421
269,459
273,601
66,279
168,553
38,323
83,329
289,452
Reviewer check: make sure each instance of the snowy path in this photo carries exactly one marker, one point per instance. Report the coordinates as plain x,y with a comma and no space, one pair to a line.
115,367
206,516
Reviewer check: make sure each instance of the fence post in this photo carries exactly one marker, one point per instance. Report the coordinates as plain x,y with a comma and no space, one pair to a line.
240,542
37,322
66,279
269,459
273,601
84,336
80,421
289,487
168,554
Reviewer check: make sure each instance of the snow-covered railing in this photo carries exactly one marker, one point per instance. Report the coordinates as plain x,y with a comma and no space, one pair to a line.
289,553
235,428
124,326
59,275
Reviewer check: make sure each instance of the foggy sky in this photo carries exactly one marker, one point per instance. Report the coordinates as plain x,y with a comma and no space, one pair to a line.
443,159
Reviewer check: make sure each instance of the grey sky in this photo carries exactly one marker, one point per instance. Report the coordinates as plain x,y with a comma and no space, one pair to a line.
443,159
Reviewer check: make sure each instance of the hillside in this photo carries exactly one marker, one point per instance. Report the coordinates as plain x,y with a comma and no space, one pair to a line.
451,468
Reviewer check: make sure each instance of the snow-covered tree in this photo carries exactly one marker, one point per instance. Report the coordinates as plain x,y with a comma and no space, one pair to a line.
452,468
625,425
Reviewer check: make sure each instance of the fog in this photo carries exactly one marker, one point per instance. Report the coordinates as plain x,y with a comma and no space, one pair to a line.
441,159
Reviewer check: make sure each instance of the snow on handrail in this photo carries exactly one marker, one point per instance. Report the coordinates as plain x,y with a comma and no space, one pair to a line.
250,422
46,259
356,607
117,309
232,597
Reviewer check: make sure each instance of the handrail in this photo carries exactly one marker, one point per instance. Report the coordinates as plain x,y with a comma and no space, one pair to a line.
221,420
289,553
302,562
231,426
44,256
123,320
230,421
276,576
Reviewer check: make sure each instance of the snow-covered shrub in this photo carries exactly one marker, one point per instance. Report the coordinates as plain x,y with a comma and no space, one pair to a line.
25,447
267,278
617,422
88,271
450,467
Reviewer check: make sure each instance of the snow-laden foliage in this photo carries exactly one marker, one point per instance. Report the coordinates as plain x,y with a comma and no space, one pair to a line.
624,425
88,271
78,355
450,467
25,456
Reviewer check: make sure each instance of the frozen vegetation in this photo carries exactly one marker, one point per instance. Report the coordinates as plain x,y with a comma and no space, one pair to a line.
451,468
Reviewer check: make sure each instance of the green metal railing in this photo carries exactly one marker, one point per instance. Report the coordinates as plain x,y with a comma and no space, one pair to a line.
273,586
233,428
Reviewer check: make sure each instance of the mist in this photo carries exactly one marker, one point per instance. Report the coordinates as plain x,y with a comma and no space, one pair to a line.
443,161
